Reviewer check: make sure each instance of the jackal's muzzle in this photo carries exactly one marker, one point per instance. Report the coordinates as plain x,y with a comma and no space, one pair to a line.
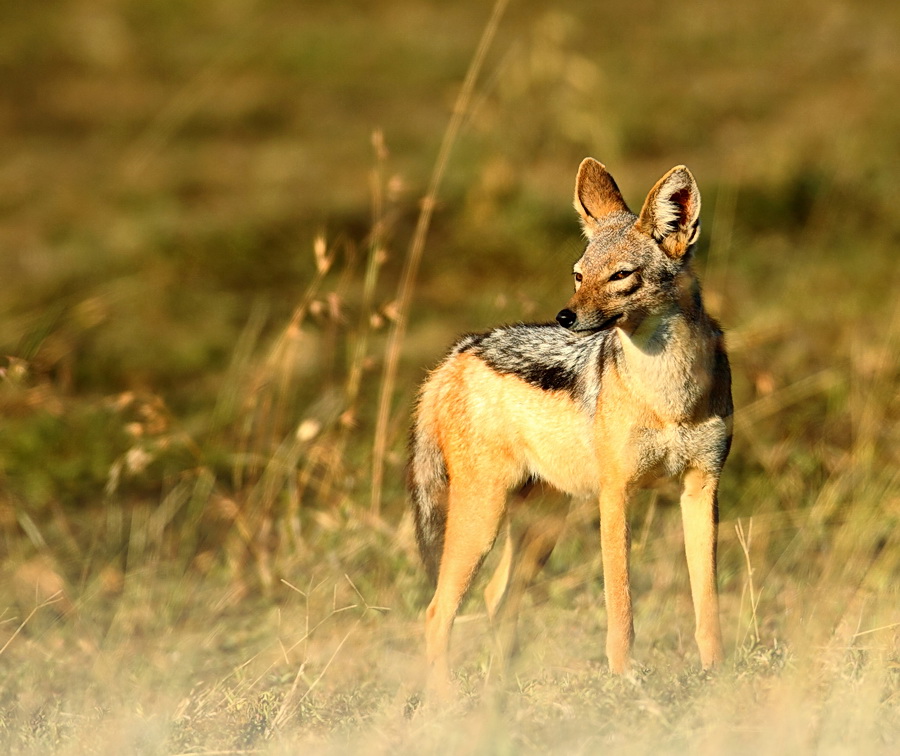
569,319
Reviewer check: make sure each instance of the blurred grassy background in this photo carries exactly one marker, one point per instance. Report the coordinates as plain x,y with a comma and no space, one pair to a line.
204,210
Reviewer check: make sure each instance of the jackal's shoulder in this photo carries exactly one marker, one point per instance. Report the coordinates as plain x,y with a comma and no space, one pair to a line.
542,354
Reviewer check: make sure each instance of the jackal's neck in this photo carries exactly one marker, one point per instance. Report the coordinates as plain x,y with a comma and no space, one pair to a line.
663,330
667,359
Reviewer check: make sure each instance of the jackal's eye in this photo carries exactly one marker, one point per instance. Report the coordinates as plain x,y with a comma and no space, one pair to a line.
578,277
620,275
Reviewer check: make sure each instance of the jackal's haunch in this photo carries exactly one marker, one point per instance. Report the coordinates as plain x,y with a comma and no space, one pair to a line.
631,384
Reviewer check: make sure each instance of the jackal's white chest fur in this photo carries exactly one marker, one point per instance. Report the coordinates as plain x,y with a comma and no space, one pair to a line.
668,369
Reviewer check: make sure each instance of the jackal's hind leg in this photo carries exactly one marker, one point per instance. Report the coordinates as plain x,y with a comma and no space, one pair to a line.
473,519
534,525
496,589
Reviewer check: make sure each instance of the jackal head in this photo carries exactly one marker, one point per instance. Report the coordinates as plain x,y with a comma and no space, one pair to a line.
634,266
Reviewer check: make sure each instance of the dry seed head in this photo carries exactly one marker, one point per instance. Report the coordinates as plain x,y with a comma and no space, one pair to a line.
396,186
17,370
123,400
764,382
113,477
334,305
378,144
308,429
137,460
134,429
320,249
153,413
293,331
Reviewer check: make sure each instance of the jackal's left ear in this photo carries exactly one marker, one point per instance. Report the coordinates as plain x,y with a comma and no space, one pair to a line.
671,212
596,195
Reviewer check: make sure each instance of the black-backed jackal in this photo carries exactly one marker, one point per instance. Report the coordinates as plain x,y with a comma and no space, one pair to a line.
631,384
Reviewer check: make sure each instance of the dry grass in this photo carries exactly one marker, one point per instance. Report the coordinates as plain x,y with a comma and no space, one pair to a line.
201,243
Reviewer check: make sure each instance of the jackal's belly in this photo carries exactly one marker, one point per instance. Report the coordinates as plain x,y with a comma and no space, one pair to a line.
564,461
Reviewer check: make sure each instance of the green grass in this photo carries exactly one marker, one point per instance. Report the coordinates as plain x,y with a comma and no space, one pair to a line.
188,392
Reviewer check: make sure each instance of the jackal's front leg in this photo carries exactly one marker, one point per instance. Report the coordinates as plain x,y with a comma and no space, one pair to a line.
699,512
614,544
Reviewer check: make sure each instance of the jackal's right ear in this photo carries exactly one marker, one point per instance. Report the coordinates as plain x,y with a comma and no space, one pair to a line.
596,195
671,212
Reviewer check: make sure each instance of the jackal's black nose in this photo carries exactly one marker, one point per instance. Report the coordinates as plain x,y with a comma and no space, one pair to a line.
566,318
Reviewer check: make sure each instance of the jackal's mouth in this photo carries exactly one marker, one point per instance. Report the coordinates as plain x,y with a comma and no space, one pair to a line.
602,326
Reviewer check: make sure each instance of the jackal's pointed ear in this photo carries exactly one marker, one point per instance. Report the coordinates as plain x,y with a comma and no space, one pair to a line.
596,194
671,212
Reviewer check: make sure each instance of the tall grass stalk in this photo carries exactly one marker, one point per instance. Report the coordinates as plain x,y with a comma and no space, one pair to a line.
373,265
414,255
745,539
367,313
